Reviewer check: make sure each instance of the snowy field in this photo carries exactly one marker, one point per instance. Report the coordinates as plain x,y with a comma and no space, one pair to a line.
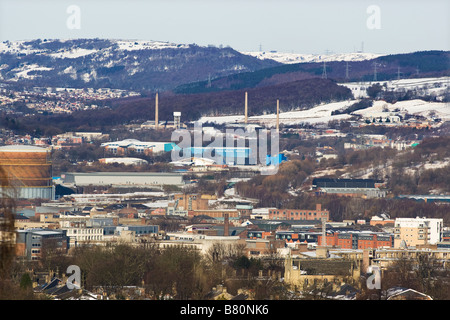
288,58
131,45
322,113
318,114
22,47
72,53
415,107
431,85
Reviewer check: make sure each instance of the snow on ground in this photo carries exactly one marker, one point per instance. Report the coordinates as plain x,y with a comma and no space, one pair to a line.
73,53
437,164
432,85
322,113
287,58
318,114
16,47
22,72
415,107
20,47
145,44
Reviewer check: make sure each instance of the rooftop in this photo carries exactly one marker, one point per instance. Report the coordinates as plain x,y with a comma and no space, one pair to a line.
23,148
124,173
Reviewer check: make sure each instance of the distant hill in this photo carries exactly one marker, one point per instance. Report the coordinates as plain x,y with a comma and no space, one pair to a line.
410,65
120,64
285,57
295,95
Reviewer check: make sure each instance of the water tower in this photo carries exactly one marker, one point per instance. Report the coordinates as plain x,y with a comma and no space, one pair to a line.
177,119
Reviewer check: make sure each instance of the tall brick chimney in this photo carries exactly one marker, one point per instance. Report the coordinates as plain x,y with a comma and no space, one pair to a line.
156,112
246,107
226,227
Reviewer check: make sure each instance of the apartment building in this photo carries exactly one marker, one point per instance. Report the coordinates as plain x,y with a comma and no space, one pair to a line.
418,231
31,243
385,257
83,235
190,201
358,240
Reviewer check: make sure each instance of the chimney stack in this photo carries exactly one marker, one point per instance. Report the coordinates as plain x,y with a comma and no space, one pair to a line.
156,112
278,115
226,228
246,107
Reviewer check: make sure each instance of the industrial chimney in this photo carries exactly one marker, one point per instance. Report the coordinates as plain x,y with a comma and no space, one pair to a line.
156,112
278,115
246,107
226,227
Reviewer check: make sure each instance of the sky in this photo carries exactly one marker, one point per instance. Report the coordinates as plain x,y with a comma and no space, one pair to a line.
294,26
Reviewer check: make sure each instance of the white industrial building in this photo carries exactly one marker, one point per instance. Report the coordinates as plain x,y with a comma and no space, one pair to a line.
122,178
124,160
121,147
383,117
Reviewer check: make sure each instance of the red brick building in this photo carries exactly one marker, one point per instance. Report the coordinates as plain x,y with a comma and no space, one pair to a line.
347,240
299,214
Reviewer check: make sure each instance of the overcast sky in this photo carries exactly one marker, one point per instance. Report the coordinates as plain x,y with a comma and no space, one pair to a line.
379,26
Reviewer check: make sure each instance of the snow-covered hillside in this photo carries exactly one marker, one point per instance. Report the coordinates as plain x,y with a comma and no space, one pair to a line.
435,86
29,47
283,57
119,64
318,114
322,113
413,107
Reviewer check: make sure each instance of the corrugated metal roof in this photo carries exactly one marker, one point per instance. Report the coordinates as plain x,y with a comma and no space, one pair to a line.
23,148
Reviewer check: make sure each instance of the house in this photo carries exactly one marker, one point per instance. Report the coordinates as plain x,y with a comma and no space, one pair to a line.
408,294
219,293
58,289
320,270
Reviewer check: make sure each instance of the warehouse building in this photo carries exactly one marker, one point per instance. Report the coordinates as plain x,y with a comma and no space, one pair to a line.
366,188
136,179
125,160
123,147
